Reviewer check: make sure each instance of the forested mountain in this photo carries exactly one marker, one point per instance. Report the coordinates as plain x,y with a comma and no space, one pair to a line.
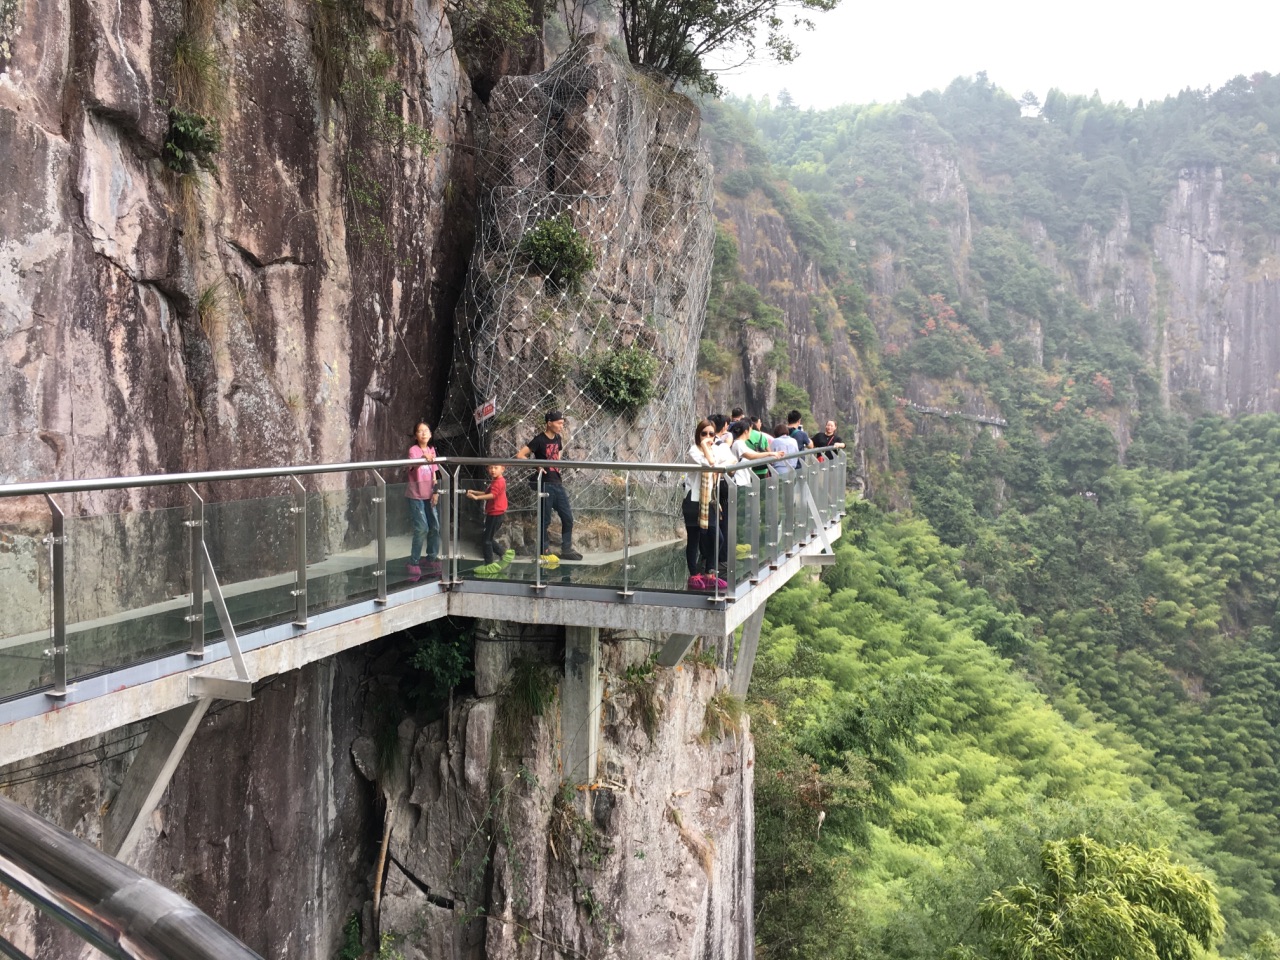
1055,330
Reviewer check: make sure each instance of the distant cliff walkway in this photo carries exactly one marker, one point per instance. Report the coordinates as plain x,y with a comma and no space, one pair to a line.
150,597
953,414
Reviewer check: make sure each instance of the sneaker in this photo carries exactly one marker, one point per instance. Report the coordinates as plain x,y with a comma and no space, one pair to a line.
697,582
715,583
570,554
548,560
415,572
744,551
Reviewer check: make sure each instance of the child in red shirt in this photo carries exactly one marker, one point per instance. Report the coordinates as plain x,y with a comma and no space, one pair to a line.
495,507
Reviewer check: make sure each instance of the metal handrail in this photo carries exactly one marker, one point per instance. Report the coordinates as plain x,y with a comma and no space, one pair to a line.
54,487
101,900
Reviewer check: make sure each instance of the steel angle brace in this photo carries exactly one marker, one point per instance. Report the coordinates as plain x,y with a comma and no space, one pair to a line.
827,556
203,577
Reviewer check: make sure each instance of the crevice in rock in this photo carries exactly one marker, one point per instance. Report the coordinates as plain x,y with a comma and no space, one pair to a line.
433,898
254,261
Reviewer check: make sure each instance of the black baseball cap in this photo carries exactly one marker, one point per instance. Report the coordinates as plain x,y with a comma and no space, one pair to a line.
553,415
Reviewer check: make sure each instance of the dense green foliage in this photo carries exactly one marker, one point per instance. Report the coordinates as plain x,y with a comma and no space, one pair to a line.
904,772
1089,647
557,250
1096,902
623,379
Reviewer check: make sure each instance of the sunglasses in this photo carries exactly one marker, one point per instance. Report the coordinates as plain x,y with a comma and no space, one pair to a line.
708,433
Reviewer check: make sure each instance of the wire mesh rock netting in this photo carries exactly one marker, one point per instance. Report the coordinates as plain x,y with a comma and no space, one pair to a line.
589,280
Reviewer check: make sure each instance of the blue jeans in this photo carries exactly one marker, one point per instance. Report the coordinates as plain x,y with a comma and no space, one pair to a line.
426,526
557,500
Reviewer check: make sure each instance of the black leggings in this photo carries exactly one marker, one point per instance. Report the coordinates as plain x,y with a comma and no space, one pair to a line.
700,544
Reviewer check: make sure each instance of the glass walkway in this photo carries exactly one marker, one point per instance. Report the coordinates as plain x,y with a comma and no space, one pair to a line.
213,579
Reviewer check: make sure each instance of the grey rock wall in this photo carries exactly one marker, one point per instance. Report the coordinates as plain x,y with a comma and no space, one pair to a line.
154,322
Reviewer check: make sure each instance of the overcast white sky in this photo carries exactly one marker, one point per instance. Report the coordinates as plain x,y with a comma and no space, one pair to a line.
1125,49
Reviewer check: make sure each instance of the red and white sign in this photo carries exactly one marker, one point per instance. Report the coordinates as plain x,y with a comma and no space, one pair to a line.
486,410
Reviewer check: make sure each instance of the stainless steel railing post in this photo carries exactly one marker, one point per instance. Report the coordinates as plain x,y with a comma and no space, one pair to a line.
381,503
195,616
626,535
58,569
537,533
299,511
731,536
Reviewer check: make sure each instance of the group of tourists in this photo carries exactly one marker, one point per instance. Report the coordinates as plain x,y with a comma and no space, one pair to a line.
718,441
423,499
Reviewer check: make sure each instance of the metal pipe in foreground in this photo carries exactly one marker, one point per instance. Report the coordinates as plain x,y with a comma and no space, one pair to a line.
106,903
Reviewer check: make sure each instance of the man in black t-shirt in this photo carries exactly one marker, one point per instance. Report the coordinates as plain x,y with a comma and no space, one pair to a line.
828,438
547,446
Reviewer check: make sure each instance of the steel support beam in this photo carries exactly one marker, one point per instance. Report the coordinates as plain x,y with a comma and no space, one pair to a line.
149,775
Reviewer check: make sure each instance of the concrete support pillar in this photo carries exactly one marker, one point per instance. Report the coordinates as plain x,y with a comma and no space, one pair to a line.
149,775
747,652
580,704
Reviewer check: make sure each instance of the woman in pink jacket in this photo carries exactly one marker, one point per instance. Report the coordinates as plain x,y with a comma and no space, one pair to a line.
422,496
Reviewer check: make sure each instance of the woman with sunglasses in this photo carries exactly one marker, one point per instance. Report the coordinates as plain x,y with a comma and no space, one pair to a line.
705,510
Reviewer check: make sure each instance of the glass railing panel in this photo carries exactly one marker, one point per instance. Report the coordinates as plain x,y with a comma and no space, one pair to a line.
787,486
595,504
127,588
657,557
771,532
750,524
400,535
26,644
342,547
252,544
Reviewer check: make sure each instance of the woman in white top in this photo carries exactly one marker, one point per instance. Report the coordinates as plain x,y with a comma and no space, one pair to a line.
704,509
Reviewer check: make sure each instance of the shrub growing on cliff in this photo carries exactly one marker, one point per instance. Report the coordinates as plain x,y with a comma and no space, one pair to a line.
622,380
191,142
558,251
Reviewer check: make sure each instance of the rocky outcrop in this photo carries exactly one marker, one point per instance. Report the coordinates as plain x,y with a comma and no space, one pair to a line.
618,160
494,854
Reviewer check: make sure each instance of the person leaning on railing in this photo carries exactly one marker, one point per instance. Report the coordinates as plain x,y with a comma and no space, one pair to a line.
705,525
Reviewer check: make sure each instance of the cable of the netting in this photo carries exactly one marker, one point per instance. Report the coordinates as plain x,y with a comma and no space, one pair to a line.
524,334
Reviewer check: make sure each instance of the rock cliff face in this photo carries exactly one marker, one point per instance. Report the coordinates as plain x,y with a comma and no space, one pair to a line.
819,357
494,854
294,305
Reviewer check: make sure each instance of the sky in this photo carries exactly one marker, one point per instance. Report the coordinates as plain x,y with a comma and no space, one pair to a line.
1126,50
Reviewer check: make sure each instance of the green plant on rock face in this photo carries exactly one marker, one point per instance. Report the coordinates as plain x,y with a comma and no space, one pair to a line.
191,142
558,251
622,380
723,716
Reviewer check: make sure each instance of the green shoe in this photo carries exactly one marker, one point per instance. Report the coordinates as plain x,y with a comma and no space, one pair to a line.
744,551
496,567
